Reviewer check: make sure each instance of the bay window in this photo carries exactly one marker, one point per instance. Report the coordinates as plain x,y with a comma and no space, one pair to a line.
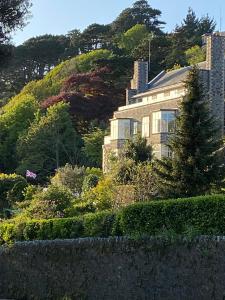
163,121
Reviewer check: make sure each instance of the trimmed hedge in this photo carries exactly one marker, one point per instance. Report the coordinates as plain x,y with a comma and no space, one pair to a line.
91,225
206,214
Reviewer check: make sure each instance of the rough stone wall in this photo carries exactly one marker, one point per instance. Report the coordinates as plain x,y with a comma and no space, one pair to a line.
117,269
215,51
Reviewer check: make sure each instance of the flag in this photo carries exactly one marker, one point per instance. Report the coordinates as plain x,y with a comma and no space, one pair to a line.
31,174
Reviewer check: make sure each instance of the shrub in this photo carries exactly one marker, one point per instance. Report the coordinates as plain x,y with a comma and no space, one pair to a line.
204,213
80,209
91,225
51,202
89,182
199,215
11,189
102,195
70,177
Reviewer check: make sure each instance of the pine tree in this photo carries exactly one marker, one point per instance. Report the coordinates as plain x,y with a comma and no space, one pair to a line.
196,165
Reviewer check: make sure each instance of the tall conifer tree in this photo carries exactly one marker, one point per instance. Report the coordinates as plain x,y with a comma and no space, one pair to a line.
196,165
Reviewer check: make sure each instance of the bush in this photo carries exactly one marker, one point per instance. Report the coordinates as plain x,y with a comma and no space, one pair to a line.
204,213
102,195
81,209
89,182
51,202
91,225
201,215
70,177
11,189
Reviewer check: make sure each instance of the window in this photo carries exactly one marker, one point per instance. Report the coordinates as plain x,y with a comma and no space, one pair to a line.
156,119
163,121
165,151
135,128
114,129
179,92
167,94
145,127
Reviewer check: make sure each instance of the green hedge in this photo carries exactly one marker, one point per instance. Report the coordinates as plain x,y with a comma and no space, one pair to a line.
204,214
91,225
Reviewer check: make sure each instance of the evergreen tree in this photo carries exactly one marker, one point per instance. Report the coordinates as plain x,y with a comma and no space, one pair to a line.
140,13
187,35
196,164
137,150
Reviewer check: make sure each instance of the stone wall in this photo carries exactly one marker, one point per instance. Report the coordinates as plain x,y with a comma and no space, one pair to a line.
114,269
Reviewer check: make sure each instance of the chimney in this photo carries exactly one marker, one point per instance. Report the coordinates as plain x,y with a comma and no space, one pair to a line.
139,83
215,55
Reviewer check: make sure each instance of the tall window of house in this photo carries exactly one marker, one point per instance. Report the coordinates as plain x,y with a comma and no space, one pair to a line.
114,130
163,121
165,151
156,119
145,127
135,128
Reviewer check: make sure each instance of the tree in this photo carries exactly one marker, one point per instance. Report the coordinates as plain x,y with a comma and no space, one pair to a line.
133,37
195,55
196,164
92,96
140,13
95,36
137,150
15,119
187,35
160,48
12,16
50,142
92,149
31,61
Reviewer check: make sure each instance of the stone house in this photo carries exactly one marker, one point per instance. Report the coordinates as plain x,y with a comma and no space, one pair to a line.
151,107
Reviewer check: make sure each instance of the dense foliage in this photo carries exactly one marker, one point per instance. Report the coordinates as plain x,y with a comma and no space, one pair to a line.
199,215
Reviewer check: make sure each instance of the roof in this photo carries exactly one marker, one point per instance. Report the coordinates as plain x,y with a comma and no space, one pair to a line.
167,79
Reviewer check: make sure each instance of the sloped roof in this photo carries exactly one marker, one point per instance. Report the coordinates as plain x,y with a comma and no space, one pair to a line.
166,79
172,77
169,78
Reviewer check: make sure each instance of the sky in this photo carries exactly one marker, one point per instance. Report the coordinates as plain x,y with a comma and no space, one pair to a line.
61,16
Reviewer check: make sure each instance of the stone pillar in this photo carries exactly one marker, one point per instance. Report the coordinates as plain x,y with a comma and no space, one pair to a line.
215,50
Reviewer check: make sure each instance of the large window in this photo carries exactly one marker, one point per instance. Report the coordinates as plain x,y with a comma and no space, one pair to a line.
145,127
120,129
163,121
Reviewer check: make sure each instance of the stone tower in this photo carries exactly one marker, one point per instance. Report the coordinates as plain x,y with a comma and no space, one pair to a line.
215,64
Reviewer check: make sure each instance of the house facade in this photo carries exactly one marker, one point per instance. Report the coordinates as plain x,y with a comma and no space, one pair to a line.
151,107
